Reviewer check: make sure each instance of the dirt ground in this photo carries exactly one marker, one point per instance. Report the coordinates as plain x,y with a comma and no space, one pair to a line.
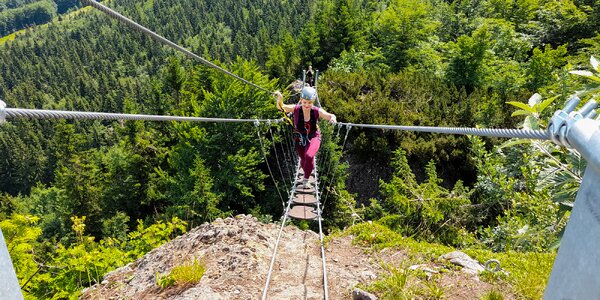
237,253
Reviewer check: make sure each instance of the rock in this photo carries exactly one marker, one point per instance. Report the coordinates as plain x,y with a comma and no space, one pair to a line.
368,275
358,294
459,258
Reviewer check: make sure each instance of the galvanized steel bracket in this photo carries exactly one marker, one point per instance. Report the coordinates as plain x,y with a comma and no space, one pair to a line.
577,129
2,112
574,273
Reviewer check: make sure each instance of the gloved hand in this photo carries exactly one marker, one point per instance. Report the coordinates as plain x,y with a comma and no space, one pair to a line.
278,100
333,119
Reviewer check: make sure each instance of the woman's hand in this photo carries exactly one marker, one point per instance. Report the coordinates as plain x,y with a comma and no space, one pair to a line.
333,119
278,100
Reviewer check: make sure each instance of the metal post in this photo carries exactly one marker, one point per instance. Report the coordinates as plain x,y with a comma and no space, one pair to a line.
303,78
9,285
575,271
2,112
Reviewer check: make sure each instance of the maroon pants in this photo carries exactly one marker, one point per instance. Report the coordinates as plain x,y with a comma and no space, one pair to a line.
307,154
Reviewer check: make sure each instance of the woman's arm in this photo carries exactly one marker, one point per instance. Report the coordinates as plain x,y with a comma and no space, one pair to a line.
280,105
327,116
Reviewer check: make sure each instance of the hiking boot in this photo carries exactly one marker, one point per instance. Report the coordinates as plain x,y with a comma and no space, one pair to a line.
306,184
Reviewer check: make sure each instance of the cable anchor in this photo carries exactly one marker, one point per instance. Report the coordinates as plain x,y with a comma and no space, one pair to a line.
563,120
2,112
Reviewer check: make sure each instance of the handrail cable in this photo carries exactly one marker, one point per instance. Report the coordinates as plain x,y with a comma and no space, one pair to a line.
332,181
286,159
63,114
491,132
320,218
285,214
256,124
119,17
330,162
277,159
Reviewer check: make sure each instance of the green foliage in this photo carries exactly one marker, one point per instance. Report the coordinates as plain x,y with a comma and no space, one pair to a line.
145,238
20,234
403,31
426,210
469,59
395,285
492,295
593,77
542,66
38,12
186,274
164,280
524,216
189,273
527,273
66,269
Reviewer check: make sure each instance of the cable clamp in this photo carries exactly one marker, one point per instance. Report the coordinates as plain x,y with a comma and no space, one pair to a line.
256,122
557,127
2,112
563,120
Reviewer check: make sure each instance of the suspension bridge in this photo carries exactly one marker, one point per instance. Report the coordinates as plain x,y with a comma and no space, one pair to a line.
573,275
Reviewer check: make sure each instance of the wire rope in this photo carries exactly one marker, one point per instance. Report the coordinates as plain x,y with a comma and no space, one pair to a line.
277,159
490,132
61,114
285,214
267,162
334,173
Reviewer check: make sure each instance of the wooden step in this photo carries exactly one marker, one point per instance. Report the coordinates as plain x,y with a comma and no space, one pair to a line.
302,212
305,199
309,178
301,181
301,190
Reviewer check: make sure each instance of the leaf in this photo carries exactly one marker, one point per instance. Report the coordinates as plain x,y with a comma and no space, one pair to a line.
535,99
515,142
545,103
522,106
595,63
520,112
531,123
586,74
582,73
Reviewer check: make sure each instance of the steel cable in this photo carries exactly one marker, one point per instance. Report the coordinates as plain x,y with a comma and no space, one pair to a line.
78,115
490,132
268,166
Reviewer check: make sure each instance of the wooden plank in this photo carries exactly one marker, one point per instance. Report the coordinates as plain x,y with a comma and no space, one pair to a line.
302,190
309,178
302,212
301,181
306,199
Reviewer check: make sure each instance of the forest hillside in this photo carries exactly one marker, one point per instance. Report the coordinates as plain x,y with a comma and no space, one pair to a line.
80,198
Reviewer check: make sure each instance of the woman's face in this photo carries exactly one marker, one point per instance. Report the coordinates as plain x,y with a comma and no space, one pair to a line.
306,103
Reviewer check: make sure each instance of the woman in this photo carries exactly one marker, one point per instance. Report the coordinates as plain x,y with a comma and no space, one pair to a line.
306,130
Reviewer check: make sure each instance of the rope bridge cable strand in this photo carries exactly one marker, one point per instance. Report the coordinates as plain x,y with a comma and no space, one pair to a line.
490,132
287,161
256,124
62,114
329,163
332,181
131,23
285,215
320,219
277,157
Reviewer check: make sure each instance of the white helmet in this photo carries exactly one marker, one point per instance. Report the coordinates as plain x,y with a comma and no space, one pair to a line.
309,93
